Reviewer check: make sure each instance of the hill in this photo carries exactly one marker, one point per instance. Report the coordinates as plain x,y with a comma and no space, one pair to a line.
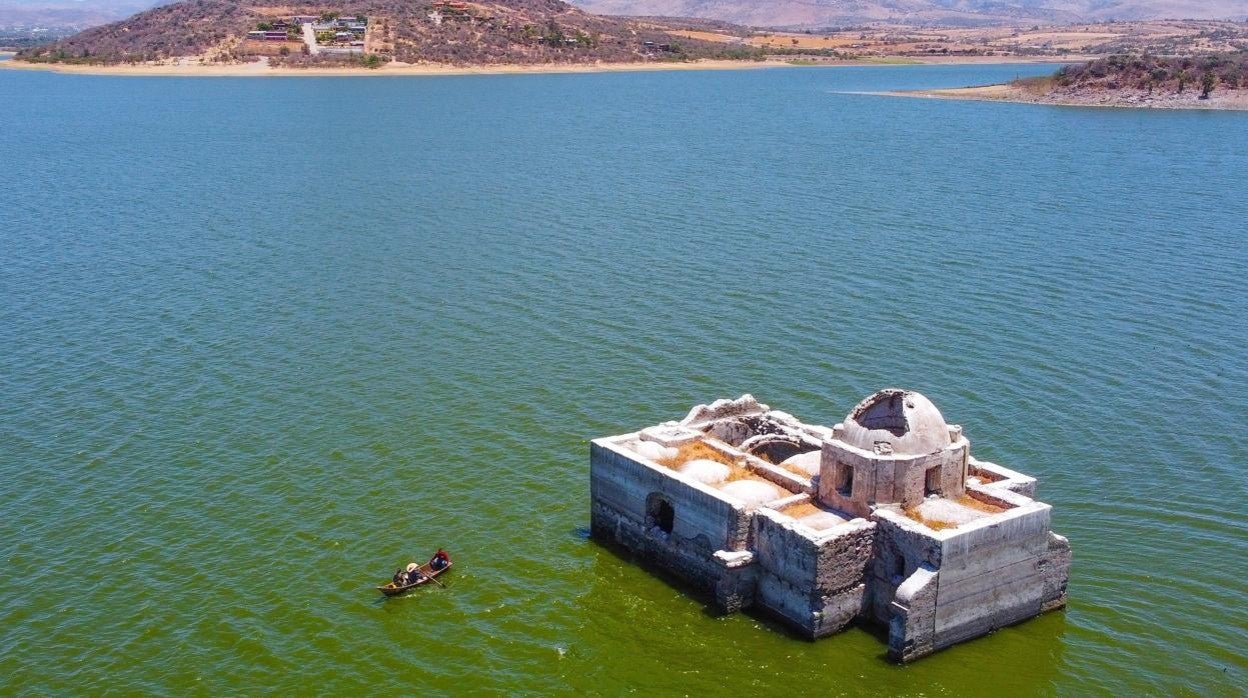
420,31
1148,73
803,14
1210,81
66,14
831,13
1158,37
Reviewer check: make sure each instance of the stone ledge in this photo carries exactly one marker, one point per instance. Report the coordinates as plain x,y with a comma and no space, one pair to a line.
732,559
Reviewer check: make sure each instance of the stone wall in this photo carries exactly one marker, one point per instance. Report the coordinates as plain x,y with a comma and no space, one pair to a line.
990,576
685,560
1000,477
1055,573
735,586
786,569
901,546
622,485
888,479
912,614
624,482
984,575
841,575
813,580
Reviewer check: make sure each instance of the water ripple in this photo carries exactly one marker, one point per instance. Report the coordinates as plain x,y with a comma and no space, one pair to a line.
264,340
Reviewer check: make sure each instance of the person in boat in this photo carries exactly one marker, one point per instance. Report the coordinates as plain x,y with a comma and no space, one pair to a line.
413,572
400,577
440,560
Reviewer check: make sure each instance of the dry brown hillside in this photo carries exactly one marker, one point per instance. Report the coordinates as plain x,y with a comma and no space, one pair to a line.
1170,38
1222,71
966,13
461,33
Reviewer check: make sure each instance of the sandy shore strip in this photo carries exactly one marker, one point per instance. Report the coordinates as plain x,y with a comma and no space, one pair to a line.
262,69
193,68
1236,100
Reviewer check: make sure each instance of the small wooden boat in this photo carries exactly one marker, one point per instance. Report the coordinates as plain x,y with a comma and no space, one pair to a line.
427,573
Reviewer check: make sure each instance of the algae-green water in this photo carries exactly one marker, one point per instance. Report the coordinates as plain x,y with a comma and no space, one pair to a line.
264,340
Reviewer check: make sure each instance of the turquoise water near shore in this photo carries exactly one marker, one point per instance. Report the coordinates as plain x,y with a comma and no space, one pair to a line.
265,339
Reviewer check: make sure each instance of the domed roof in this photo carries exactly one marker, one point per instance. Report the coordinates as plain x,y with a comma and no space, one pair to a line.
706,471
751,492
896,422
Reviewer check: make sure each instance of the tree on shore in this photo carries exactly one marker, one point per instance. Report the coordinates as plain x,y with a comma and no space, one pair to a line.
1154,73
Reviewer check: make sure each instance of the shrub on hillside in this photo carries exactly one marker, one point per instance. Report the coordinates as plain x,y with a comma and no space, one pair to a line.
1155,72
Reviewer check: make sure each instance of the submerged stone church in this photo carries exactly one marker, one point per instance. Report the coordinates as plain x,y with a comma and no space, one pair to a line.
884,518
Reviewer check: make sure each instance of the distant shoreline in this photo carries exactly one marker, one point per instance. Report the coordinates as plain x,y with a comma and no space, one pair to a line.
1120,99
260,69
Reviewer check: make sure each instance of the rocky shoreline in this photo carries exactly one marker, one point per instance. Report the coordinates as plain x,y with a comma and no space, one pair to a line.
1229,100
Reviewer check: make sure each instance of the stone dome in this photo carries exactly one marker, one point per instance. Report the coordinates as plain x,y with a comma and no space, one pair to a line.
896,422
706,471
751,492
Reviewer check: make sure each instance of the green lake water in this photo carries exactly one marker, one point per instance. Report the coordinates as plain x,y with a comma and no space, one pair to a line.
263,340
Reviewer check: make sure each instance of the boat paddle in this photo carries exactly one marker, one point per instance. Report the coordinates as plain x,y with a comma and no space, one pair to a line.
435,580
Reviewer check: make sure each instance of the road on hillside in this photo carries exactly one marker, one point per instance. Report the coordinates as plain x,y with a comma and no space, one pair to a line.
309,38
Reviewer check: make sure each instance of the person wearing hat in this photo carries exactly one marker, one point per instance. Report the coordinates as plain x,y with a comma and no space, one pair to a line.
413,572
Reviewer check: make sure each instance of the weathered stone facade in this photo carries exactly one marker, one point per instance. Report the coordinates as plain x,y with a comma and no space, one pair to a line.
884,518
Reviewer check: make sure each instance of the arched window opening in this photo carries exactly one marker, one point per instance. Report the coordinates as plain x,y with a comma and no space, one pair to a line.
660,512
666,516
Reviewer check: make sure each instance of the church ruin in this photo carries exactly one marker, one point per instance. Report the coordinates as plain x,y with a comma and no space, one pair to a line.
883,518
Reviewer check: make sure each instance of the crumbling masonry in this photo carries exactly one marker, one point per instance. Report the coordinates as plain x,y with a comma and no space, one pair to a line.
884,518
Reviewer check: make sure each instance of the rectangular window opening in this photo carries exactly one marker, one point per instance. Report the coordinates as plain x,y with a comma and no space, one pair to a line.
845,479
